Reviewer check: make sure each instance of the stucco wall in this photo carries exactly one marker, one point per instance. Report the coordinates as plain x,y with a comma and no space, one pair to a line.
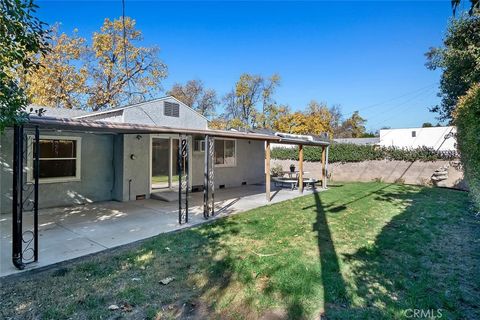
97,176
108,171
135,177
250,166
118,151
419,173
151,113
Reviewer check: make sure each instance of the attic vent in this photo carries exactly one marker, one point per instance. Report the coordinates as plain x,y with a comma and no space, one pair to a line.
171,109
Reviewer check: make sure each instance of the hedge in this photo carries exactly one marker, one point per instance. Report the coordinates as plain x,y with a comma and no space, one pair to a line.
357,153
467,119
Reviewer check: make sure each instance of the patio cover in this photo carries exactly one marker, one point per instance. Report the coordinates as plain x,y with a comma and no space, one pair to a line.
131,128
88,126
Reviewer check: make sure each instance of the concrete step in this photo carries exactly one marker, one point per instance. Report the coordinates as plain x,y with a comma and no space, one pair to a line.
164,195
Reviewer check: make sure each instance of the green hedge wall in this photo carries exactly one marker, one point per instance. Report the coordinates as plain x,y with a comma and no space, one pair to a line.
467,119
358,153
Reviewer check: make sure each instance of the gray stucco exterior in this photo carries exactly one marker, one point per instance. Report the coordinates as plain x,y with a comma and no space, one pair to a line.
152,113
136,171
97,174
118,166
249,168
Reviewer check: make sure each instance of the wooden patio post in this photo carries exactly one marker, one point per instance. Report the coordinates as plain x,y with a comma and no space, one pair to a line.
300,168
323,167
267,170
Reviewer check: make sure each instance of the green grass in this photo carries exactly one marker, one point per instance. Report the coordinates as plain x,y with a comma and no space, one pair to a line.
163,179
357,251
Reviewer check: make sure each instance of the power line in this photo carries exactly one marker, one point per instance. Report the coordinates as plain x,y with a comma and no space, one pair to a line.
395,108
392,108
392,99
125,48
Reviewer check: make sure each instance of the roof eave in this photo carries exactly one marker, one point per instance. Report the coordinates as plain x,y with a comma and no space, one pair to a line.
129,128
315,143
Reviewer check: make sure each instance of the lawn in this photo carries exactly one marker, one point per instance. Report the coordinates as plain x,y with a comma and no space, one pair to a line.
362,250
163,179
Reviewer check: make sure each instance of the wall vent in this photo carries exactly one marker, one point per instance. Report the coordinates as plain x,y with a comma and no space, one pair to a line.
171,109
197,188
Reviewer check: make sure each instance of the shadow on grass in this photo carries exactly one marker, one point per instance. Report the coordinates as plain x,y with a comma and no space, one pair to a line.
424,257
413,262
334,287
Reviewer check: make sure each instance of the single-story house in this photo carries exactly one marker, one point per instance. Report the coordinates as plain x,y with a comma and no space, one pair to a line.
438,138
153,149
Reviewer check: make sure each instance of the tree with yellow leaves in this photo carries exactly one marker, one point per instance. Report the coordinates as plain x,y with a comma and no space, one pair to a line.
319,118
242,104
22,38
122,72
59,82
315,120
195,95
113,71
296,122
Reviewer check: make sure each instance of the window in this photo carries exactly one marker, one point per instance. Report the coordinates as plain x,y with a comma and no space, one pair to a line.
414,134
225,153
59,159
199,145
171,109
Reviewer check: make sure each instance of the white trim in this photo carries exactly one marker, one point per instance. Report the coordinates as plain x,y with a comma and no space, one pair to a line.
234,156
201,145
78,162
169,137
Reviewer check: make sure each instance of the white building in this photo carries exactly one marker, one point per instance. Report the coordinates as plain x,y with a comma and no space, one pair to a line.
439,138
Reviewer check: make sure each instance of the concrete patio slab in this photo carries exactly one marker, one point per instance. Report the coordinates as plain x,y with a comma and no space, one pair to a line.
70,232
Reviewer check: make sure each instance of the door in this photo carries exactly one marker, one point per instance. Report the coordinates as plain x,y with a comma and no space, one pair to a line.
164,163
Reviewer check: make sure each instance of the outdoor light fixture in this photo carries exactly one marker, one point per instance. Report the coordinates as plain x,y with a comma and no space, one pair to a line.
139,137
133,157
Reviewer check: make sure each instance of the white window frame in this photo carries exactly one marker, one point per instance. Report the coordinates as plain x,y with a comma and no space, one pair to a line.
78,162
234,154
198,145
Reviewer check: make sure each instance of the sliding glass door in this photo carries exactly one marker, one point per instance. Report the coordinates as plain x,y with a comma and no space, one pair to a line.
164,163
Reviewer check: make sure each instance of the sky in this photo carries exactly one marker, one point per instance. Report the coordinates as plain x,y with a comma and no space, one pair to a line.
366,56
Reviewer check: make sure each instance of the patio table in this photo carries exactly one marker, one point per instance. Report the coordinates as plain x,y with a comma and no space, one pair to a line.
290,173
292,183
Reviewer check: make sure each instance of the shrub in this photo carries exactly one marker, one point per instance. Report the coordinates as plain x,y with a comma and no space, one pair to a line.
276,170
357,153
467,119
